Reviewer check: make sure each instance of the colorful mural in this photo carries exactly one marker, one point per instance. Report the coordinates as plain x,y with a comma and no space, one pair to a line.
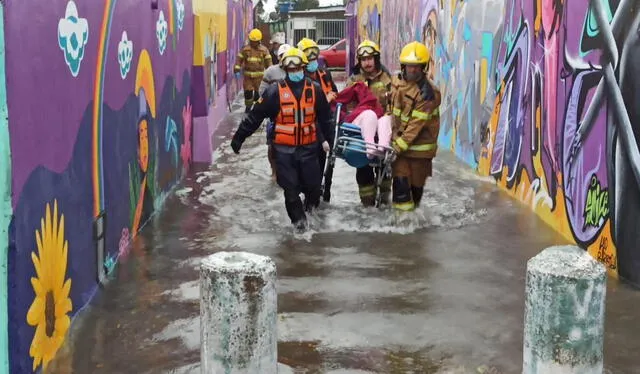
219,33
5,204
540,96
369,17
98,123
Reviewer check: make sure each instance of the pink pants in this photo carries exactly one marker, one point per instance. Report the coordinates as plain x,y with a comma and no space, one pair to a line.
369,125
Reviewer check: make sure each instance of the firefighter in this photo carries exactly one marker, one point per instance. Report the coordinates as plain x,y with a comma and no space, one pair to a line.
253,59
324,79
301,114
369,70
416,123
272,75
319,75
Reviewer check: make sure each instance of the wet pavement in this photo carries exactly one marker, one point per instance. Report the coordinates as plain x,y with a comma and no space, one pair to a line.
437,291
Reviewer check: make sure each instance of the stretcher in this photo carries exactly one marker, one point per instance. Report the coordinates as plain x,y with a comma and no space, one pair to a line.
349,145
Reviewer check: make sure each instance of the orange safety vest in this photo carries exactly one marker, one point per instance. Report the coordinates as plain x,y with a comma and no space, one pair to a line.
296,121
324,82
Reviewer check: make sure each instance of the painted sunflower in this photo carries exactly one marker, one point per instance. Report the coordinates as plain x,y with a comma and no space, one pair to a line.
52,303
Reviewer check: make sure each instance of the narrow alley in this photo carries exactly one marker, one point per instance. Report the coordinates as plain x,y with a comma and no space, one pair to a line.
361,293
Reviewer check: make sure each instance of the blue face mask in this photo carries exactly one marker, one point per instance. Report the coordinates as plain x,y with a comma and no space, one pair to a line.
312,66
297,76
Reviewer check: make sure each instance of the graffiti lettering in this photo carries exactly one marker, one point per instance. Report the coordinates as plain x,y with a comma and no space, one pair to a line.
596,208
605,255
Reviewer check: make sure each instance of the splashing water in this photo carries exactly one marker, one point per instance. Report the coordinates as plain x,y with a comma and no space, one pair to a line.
247,202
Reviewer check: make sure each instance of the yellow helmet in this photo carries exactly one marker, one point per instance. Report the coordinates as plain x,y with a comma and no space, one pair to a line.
415,53
255,35
293,58
309,47
367,48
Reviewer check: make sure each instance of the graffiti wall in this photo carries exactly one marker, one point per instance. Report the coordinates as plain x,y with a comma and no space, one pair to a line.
542,97
219,34
99,118
555,139
5,204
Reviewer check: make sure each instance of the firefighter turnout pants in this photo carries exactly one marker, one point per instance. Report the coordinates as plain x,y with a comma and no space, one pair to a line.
366,179
409,178
251,94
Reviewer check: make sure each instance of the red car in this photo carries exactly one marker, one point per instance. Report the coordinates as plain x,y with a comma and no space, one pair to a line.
336,55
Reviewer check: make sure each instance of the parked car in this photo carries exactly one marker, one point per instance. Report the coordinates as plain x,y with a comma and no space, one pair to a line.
326,42
336,55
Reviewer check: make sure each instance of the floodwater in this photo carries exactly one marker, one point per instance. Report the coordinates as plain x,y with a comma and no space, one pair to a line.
440,290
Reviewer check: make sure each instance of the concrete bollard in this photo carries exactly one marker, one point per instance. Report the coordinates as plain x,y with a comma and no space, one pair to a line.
564,313
238,314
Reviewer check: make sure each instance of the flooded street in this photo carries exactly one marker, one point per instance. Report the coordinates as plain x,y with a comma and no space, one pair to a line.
440,290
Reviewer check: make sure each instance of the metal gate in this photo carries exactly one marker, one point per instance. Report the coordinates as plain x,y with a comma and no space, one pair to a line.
329,32
325,32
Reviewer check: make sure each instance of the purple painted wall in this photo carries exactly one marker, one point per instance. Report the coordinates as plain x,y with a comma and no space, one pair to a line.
74,161
213,106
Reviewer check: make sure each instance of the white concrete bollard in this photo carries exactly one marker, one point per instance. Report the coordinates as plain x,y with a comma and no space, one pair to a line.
238,314
564,313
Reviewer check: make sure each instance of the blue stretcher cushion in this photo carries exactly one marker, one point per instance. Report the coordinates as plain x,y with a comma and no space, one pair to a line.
349,129
356,159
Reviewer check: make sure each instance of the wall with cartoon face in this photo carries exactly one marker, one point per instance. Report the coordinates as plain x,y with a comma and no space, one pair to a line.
531,99
100,131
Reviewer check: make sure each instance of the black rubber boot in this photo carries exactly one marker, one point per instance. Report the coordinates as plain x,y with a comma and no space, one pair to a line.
416,194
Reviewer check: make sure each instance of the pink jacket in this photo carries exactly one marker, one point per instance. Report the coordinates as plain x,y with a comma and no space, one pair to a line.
362,96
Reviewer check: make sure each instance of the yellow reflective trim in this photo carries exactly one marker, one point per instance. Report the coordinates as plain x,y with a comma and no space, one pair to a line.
240,55
367,188
254,74
423,147
420,115
268,57
406,207
397,112
254,59
377,84
404,118
401,144
237,67
365,191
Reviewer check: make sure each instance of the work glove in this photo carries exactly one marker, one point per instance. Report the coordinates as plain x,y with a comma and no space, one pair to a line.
236,144
325,146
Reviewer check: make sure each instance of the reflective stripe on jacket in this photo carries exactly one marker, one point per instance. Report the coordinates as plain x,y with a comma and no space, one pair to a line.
416,119
325,83
296,122
253,61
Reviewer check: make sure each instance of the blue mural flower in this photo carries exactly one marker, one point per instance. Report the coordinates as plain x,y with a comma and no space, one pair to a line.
162,28
73,33
125,54
180,13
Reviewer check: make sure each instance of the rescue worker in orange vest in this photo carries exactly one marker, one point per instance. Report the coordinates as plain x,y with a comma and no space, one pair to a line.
324,79
416,124
302,117
253,59
369,70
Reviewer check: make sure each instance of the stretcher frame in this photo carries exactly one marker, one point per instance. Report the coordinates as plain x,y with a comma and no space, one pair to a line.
351,139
